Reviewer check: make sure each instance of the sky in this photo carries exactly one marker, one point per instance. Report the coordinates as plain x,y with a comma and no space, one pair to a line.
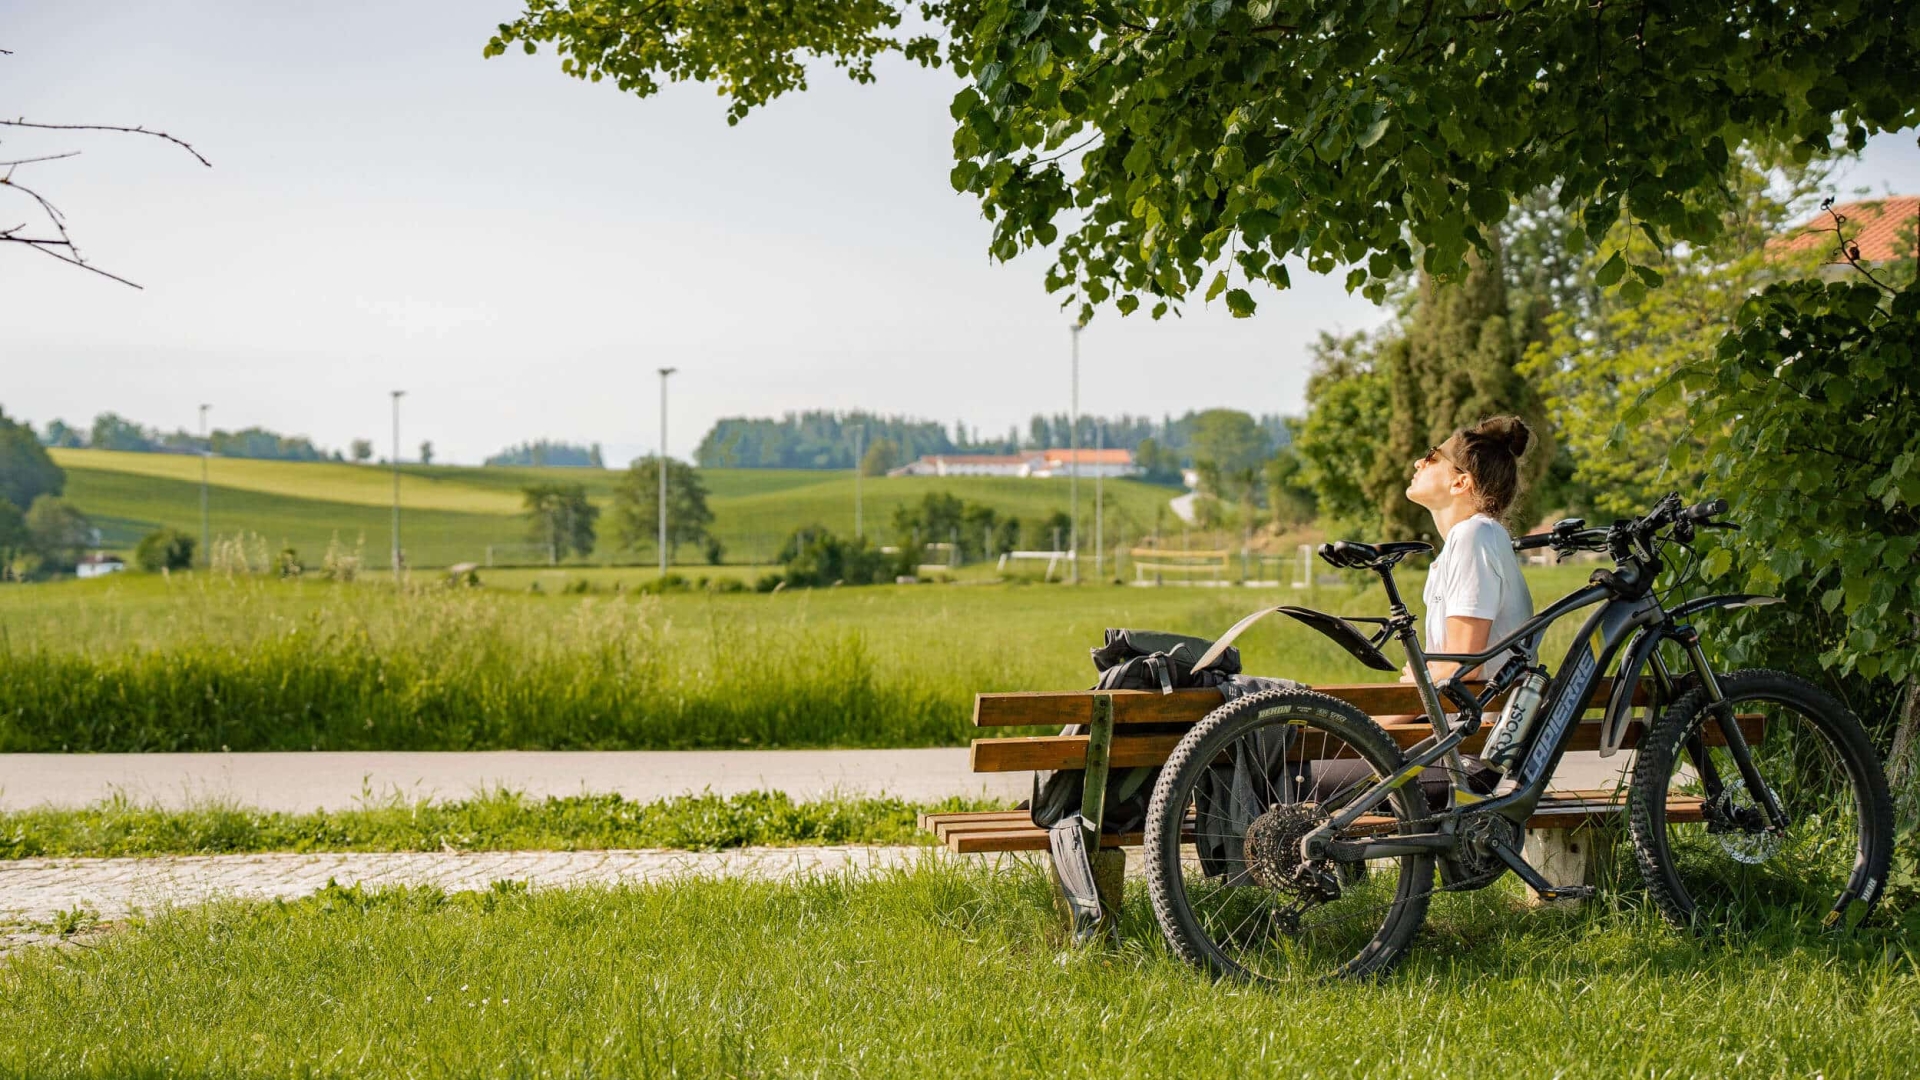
520,251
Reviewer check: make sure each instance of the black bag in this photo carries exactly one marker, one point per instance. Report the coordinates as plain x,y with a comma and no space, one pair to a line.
1130,660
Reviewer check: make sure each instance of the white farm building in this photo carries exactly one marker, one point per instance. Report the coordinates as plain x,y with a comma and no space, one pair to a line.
1038,463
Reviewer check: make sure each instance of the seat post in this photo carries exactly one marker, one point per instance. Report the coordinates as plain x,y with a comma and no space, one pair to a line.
1395,605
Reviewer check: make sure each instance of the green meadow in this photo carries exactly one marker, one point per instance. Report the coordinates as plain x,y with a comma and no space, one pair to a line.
941,970
139,662
450,514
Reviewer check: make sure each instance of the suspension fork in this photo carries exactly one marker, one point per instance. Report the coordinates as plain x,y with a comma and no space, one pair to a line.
1696,746
1736,740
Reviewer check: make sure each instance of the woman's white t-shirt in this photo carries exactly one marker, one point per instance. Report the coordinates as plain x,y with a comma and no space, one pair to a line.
1476,576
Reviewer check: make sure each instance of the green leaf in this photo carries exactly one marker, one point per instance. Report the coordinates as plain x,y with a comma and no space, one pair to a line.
1611,271
1374,131
1649,275
1240,303
1219,285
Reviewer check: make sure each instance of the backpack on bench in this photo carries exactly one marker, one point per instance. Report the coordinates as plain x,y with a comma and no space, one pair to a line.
1130,660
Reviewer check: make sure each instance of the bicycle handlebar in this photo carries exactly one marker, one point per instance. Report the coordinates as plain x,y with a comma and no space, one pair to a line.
1571,535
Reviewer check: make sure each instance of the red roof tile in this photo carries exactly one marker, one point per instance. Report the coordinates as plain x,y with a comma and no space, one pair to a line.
1882,227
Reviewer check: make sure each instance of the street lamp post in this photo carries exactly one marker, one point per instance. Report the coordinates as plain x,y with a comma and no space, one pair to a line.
859,440
206,451
397,394
1073,465
664,372
1099,503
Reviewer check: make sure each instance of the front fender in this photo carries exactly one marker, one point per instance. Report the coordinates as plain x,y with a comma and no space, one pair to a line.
1613,726
1722,600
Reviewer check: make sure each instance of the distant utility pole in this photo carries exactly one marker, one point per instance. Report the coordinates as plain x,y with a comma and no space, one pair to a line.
1073,464
664,372
206,451
397,394
859,466
1099,503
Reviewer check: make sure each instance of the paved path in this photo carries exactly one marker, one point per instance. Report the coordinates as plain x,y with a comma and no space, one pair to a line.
32,891
338,780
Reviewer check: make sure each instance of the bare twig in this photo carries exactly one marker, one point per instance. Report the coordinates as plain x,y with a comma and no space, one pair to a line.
23,122
8,165
45,247
1849,250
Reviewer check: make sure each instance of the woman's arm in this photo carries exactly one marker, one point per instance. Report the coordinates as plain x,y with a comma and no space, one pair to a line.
1464,635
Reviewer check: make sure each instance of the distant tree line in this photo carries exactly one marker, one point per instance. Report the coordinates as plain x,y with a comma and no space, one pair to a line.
820,439
543,452
40,532
111,431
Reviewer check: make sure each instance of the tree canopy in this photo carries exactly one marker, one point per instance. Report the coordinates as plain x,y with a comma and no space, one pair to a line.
26,470
1168,148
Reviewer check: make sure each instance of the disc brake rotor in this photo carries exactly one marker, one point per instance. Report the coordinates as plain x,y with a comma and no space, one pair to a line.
1741,844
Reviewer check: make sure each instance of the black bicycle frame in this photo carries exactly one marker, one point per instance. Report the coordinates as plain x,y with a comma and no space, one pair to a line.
1619,620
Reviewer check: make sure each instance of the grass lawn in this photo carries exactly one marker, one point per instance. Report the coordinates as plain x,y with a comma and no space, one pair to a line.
498,820
134,662
451,513
938,971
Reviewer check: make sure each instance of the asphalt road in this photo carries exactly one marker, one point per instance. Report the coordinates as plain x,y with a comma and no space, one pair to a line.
328,780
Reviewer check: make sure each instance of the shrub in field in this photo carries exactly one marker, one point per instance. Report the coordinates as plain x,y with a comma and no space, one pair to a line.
342,563
814,557
164,549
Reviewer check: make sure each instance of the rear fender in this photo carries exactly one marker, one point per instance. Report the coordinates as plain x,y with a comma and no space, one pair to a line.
1347,635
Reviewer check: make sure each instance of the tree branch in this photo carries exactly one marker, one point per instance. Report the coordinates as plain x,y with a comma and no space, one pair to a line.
22,122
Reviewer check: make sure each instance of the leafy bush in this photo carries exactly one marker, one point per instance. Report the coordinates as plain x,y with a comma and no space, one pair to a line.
814,556
164,549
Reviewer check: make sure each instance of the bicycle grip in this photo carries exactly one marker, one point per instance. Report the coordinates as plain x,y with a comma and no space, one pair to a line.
1532,540
1702,511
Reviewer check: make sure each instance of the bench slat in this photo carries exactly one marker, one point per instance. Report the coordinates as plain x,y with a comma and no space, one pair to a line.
1058,708
994,831
1047,752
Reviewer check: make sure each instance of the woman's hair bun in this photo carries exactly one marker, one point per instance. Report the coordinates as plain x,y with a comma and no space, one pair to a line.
1510,433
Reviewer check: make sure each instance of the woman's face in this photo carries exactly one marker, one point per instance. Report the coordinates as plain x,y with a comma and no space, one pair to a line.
1437,481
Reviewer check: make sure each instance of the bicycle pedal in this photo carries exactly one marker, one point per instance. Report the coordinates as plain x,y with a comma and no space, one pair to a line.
1568,892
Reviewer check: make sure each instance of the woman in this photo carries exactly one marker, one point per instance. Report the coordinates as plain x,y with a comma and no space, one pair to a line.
1475,594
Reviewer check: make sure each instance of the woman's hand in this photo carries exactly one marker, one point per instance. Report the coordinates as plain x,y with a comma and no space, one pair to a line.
1406,673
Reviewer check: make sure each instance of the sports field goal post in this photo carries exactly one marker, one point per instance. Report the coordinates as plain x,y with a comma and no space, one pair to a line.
521,555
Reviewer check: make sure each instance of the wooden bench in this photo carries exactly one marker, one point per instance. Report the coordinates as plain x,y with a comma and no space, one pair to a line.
1562,834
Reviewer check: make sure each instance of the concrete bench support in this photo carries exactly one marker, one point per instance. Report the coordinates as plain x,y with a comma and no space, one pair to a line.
1581,856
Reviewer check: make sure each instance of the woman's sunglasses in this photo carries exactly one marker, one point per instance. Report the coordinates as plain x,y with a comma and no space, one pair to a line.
1434,453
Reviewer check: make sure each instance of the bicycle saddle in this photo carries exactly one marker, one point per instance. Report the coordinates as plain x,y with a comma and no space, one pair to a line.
1353,555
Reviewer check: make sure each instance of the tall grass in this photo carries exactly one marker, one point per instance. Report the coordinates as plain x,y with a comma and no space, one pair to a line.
443,670
145,664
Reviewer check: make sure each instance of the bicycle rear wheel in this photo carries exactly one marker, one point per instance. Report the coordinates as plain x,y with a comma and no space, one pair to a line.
1229,887
1701,836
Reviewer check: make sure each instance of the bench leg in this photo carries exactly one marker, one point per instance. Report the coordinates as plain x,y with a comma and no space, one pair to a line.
1581,856
1109,879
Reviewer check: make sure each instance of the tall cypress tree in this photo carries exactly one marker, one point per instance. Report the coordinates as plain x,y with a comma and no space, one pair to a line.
1456,369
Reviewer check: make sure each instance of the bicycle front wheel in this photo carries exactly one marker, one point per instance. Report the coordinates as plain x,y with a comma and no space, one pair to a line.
1229,886
1707,847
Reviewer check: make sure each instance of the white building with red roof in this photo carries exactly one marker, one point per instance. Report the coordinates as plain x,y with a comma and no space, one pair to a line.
1036,463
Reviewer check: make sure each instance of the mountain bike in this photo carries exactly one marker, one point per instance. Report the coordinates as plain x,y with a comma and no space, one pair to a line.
1333,835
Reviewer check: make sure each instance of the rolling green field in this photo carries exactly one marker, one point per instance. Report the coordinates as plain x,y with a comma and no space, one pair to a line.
196,662
451,513
942,970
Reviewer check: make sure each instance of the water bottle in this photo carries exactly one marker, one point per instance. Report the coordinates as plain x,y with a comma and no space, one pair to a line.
1509,735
